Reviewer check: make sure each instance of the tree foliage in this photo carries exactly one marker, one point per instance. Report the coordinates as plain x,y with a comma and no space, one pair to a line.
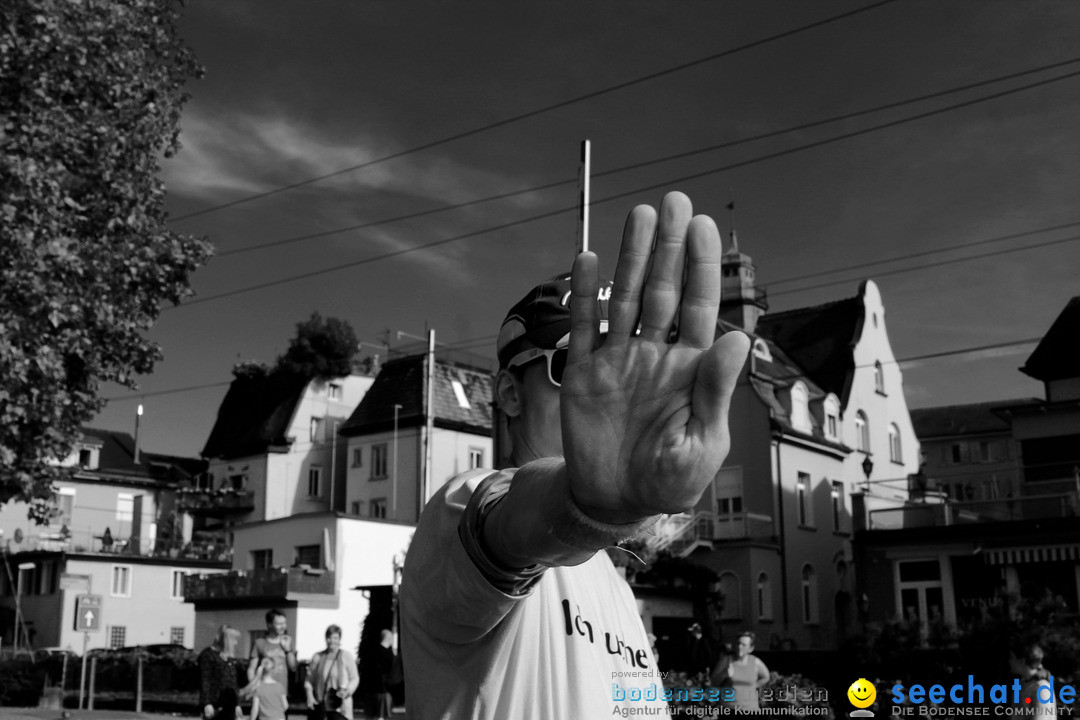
322,348
90,99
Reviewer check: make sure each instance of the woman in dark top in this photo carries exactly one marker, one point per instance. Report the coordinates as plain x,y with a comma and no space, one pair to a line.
218,696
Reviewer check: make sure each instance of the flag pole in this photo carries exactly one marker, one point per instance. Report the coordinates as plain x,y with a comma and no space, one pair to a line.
586,170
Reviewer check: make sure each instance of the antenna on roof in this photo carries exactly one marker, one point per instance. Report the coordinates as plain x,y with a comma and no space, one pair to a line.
138,417
734,237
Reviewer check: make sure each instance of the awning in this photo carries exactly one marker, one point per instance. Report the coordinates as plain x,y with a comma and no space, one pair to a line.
1018,555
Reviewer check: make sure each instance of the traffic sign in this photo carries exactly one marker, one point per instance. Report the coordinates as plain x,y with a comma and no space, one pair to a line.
87,612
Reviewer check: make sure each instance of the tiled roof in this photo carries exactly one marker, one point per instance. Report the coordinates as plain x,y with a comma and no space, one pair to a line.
962,419
255,415
401,382
820,339
116,456
1055,356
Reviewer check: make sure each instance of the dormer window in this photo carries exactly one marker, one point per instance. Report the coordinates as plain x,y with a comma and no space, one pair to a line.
800,410
334,391
832,417
761,350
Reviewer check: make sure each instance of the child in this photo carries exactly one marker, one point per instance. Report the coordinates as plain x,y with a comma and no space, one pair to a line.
269,701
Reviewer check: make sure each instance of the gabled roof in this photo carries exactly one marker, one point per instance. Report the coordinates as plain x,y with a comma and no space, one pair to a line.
972,419
116,459
255,415
772,377
820,339
1055,357
401,382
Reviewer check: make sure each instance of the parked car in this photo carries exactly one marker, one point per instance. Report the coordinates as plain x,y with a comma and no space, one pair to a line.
50,652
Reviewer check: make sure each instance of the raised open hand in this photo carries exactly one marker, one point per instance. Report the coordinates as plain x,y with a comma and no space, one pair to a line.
644,420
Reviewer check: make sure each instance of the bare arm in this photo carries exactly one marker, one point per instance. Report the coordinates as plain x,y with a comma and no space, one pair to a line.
255,708
644,420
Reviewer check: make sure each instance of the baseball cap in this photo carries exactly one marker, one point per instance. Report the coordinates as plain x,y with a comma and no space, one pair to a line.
542,318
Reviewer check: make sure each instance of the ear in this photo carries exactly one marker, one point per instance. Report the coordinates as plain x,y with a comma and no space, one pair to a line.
508,393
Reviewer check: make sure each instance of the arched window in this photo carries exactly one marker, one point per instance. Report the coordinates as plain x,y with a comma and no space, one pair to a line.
832,417
809,594
879,377
761,350
895,450
862,432
800,409
764,597
729,588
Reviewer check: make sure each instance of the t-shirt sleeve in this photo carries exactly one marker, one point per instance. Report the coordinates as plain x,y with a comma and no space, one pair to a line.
451,587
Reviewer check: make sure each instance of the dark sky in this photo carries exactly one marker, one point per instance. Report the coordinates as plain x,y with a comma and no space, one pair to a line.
297,90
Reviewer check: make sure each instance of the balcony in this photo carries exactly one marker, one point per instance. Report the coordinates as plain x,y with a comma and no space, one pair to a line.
758,295
215,503
682,534
86,542
270,584
1036,507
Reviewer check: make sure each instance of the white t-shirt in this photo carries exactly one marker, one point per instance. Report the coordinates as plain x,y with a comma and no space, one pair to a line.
566,649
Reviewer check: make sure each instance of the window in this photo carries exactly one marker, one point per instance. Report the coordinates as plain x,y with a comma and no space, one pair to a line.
314,481
802,494
459,395
176,635
310,555
731,605
800,411
956,453
262,559
117,636
809,594
378,461
64,500
862,432
895,453
377,508
334,391
920,596
358,457
125,507
356,506
879,377
764,597
837,505
729,505
318,428
761,349
121,581
476,458
832,417
84,457
177,592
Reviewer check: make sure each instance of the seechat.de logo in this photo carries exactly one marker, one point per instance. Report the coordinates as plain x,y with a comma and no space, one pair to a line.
862,695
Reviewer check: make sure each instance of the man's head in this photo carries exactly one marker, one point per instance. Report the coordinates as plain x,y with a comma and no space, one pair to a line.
532,355
276,622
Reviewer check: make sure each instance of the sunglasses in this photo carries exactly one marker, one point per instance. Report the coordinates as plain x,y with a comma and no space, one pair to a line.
556,362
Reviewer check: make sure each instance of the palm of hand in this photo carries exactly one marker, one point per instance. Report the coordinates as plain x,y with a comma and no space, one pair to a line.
644,420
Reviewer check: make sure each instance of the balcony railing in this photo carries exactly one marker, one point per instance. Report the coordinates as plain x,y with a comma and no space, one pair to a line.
215,503
51,539
1034,507
758,294
681,533
270,583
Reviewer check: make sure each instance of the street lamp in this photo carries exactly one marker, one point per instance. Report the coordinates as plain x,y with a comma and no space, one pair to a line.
867,468
19,626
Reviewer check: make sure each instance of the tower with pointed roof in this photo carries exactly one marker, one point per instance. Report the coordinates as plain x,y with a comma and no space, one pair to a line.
742,302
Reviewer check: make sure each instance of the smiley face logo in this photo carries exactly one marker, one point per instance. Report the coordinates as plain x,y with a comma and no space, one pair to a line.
862,693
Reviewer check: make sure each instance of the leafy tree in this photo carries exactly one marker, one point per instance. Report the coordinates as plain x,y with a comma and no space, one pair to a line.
322,348
90,98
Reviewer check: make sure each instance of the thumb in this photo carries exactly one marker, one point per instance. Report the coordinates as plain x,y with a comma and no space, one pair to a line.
717,374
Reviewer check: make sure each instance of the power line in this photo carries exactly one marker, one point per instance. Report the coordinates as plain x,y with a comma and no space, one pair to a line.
937,264
538,111
667,183
909,256
646,163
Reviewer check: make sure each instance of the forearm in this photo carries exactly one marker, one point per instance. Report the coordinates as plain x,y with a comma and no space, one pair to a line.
537,522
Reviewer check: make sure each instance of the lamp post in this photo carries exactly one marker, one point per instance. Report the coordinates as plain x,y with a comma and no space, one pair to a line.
19,625
393,481
867,468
